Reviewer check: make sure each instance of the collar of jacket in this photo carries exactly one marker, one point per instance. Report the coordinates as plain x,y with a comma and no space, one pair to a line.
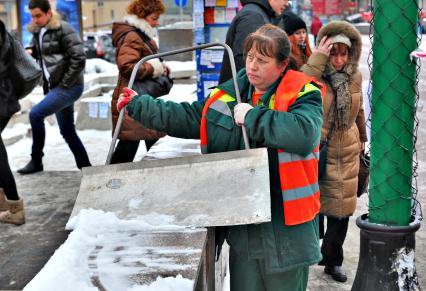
141,24
242,81
53,24
264,4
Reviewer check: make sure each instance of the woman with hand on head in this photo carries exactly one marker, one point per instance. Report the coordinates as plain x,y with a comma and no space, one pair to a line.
142,19
282,111
335,63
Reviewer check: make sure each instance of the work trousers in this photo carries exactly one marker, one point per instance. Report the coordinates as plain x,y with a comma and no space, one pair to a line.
7,181
249,275
332,242
125,151
59,101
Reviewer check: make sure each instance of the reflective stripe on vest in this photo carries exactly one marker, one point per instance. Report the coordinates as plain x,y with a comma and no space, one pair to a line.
215,95
298,174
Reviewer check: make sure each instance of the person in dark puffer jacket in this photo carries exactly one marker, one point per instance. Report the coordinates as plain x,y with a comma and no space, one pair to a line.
11,205
60,53
253,15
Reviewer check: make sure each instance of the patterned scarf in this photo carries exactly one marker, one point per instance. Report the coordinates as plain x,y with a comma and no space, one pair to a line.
339,81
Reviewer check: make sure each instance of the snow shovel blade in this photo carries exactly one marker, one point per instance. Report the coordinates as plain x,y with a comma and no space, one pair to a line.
219,189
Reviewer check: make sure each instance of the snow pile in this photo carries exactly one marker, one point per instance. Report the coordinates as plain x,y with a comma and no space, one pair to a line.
404,265
104,251
166,284
96,66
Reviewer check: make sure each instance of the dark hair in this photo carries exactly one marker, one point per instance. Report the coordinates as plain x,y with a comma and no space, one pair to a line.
143,8
269,40
339,47
44,5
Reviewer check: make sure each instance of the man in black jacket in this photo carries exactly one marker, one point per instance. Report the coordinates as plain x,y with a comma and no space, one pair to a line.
60,53
253,15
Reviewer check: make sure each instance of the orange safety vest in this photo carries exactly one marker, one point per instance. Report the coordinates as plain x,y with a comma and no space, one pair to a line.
298,174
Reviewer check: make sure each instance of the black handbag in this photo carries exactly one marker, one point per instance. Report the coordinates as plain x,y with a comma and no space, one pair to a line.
364,173
322,162
26,73
156,87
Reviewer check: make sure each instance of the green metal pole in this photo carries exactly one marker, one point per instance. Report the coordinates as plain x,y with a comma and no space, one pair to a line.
393,105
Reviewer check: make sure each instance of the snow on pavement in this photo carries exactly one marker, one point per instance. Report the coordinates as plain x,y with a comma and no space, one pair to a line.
106,251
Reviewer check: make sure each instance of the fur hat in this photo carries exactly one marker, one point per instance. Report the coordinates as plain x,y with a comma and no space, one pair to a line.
291,23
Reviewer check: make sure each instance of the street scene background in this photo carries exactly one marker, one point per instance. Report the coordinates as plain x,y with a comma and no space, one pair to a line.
49,196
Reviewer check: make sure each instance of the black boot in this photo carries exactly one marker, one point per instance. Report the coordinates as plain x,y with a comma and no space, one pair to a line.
34,166
336,273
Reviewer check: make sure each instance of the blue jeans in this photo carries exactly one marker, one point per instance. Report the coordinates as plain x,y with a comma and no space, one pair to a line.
61,102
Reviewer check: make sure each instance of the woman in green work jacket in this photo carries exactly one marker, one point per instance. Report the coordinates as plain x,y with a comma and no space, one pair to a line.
282,111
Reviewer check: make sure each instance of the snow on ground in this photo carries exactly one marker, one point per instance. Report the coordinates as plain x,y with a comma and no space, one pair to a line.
58,157
106,251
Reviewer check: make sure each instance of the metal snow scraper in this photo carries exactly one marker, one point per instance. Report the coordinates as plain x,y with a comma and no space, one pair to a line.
229,188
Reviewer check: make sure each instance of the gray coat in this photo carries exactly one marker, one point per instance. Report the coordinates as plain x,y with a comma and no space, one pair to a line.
254,14
62,52
8,101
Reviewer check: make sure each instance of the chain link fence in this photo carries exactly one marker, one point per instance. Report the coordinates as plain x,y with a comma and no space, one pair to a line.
394,98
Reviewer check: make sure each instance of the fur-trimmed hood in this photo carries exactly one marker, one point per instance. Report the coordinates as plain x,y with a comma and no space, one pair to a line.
338,27
54,23
141,24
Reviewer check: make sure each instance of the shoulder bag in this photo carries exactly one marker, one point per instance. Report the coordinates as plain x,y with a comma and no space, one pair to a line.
26,73
156,87
322,162
364,173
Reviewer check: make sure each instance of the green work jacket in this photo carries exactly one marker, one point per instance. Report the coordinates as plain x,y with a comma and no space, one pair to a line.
297,131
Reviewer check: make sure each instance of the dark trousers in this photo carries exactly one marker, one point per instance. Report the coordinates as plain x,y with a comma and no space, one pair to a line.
7,181
59,101
249,275
125,151
333,239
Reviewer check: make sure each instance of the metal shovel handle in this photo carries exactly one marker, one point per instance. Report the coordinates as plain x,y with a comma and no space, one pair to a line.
174,52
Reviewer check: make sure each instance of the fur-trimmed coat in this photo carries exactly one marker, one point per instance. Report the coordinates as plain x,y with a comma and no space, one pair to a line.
131,48
339,185
62,52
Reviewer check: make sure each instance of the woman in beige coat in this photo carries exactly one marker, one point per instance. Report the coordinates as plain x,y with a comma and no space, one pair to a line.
335,63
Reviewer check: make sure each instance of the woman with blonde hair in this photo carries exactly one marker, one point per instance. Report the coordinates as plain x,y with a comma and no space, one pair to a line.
134,39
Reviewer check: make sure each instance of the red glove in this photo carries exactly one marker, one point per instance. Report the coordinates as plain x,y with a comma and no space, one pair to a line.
125,97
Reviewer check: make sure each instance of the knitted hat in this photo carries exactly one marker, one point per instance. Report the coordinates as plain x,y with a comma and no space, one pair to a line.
291,23
341,38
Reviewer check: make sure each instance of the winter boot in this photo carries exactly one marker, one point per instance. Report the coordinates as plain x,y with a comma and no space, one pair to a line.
15,213
3,204
34,166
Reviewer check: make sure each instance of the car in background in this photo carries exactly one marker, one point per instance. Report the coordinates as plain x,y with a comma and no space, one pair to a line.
99,45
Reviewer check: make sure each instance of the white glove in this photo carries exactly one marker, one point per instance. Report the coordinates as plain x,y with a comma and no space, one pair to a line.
240,111
157,65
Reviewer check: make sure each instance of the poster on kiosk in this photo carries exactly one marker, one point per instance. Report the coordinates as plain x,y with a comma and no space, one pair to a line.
70,11
212,19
